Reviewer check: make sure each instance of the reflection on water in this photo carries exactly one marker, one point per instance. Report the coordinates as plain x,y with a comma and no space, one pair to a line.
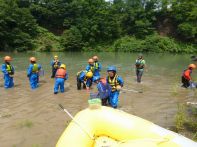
33,118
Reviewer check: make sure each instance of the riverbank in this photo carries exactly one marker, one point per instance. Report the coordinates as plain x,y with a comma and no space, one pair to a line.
186,120
48,42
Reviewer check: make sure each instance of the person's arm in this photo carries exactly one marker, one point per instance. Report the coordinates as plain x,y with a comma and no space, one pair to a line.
59,63
29,70
3,69
100,67
135,65
109,87
52,62
66,76
107,80
120,81
39,67
145,66
13,70
82,77
88,82
100,87
88,68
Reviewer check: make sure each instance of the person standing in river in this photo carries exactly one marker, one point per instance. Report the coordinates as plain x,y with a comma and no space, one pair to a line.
116,82
8,71
186,77
139,65
91,69
97,67
33,73
55,64
60,77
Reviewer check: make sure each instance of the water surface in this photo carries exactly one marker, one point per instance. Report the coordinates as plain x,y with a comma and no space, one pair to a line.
32,118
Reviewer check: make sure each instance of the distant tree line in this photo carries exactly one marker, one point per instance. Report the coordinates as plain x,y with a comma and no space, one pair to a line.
76,25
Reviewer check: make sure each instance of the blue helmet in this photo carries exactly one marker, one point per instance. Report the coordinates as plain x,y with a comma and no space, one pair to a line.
111,68
96,78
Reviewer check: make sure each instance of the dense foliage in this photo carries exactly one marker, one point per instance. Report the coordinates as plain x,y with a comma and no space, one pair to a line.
83,25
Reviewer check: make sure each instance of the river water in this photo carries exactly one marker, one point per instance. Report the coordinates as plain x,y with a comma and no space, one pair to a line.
32,118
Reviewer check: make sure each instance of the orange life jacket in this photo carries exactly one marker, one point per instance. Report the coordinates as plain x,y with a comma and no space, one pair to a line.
60,73
187,74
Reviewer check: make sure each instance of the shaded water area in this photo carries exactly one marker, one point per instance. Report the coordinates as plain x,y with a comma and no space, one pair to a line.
32,118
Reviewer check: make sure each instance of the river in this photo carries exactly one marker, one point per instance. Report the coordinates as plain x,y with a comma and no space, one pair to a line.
32,118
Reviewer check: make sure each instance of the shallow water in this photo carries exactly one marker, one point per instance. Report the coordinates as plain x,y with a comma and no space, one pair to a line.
32,118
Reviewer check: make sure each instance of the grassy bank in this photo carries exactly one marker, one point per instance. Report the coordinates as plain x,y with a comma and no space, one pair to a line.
186,121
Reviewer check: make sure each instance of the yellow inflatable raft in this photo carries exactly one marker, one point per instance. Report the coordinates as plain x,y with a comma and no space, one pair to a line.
108,127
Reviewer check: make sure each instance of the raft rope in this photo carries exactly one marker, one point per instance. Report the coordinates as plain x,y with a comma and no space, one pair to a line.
158,141
86,132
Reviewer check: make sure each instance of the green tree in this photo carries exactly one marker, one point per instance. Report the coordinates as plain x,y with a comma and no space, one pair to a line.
17,26
139,18
184,14
72,39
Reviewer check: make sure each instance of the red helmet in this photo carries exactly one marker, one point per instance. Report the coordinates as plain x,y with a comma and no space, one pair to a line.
7,58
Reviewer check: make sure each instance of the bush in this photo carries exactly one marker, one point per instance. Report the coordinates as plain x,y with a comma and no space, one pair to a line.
152,43
156,43
128,44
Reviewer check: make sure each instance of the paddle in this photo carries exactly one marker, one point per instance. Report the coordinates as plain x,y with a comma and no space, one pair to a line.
91,137
132,90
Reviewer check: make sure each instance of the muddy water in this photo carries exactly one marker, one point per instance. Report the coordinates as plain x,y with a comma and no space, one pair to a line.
32,118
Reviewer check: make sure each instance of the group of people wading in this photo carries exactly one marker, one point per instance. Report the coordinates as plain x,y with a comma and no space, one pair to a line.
108,87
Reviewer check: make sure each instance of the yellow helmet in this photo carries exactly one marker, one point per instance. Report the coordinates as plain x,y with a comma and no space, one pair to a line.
55,57
89,74
63,66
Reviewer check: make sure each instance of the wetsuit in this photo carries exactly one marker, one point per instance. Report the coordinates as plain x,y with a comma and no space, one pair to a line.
60,77
113,82
33,75
81,78
55,65
8,71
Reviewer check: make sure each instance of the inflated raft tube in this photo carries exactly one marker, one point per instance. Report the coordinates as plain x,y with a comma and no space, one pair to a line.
108,127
